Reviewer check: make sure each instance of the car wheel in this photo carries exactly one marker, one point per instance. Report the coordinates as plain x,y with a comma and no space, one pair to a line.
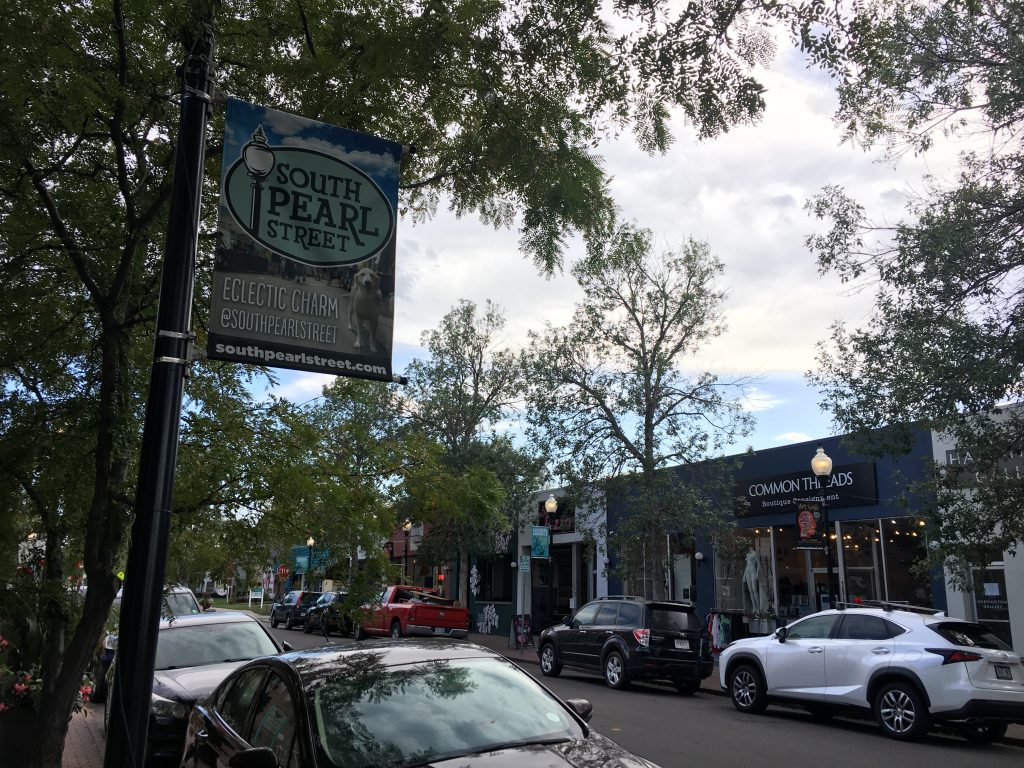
900,712
747,689
357,632
615,674
983,733
686,686
549,663
307,627
288,623
273,620
396,628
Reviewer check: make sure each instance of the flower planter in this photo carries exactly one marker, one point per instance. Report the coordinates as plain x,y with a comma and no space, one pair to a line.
16,728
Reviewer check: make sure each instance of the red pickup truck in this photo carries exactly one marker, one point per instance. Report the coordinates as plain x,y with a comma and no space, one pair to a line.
400,611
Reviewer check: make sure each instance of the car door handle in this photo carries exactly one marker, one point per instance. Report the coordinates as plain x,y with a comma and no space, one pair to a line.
815,649
880,651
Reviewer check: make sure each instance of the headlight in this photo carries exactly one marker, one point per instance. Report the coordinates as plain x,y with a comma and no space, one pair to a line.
166,708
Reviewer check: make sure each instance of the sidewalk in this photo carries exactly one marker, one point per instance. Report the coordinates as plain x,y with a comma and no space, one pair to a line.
84,745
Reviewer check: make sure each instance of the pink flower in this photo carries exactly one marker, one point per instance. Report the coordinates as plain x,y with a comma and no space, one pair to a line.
85,690
20,689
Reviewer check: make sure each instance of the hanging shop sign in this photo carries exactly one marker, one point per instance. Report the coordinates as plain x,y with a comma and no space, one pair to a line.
849,485
304,271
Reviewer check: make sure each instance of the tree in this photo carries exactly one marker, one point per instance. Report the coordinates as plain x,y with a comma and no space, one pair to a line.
609,394
943,348
459,397
488,92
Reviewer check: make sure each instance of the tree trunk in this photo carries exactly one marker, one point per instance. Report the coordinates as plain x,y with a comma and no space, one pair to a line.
464,578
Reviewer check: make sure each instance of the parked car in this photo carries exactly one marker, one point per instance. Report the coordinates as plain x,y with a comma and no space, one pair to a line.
292,609
178,601
400,611
628,638
404,702
910,667
193,654
327,614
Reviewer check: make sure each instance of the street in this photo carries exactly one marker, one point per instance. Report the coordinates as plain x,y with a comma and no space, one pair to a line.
673,730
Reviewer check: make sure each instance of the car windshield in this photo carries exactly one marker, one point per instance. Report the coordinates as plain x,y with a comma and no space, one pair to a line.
308,598
194,645
369,714
970,635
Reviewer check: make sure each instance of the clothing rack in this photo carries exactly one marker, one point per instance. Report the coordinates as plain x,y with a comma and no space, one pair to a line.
724,626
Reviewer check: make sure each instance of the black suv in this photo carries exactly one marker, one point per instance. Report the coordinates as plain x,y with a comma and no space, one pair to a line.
292,610
626,638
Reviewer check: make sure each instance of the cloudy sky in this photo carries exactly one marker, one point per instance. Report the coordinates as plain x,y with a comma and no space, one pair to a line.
743,194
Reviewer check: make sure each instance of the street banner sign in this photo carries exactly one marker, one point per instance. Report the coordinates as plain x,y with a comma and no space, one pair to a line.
810,527
304,270
540,541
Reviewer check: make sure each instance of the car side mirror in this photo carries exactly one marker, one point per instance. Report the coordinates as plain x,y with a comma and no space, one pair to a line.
581,707
781,633
567,620
258,757
211,609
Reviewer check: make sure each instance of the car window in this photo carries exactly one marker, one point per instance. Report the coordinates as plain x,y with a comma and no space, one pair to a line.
860,627
273,723
671,618
814,628
290,598
372,715
194,645
970,635
629,615
182,604
324,599
606,616
234,703
308,598
585,615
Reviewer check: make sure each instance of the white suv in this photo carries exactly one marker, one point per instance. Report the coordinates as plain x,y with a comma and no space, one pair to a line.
910,667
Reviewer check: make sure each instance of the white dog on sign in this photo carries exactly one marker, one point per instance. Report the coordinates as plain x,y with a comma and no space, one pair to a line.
364,306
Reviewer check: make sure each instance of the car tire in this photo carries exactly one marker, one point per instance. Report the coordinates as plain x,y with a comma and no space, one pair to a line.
983,733
550,666
396,628
273,620
614,670
900,712
357,632
288,623
747,689
686,686
307,627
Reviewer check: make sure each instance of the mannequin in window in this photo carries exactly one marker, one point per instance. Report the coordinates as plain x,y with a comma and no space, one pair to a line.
751,581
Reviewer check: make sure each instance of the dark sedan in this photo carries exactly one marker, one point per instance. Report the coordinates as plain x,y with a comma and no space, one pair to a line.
194,654
328,615
394,704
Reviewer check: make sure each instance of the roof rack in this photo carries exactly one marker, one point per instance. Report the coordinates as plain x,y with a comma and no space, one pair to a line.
890,605
620,597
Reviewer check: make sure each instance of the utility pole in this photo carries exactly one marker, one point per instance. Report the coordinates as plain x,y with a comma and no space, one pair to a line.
131,694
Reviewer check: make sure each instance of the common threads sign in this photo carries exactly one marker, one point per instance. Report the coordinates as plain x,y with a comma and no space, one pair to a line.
304,275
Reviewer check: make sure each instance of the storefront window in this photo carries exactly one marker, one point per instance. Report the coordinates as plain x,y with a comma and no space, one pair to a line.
744,579
862,560
991,604
904,544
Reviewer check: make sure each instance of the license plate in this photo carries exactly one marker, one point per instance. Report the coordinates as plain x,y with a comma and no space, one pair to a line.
1003,672
439,630
682,645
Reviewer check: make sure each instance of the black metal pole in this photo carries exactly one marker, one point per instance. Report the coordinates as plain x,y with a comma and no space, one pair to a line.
131,694
828,548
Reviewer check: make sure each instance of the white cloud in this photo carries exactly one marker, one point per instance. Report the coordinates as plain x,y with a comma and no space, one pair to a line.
792,437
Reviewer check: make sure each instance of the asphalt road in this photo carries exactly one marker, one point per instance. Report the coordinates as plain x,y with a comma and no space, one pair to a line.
705,730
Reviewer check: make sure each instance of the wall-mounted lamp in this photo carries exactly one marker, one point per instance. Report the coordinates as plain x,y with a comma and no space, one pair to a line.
699,557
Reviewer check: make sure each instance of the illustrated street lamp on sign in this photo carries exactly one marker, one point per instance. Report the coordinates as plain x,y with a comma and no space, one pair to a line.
259,162
821,465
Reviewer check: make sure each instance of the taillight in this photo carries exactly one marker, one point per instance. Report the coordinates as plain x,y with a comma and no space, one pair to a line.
643,636
412,613
953,655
